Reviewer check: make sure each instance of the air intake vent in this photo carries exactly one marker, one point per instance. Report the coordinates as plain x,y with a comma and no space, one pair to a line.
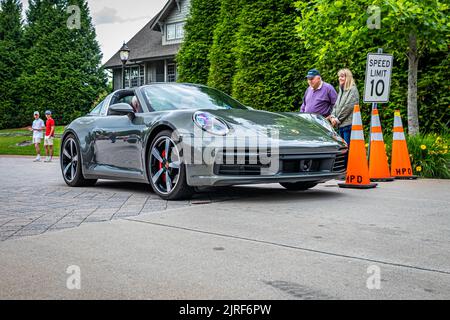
238,170
340,162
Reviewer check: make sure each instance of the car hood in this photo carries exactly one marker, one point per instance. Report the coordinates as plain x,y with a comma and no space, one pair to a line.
289,126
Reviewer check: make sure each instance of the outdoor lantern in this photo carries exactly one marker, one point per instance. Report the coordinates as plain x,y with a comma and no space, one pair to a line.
124,56
124,53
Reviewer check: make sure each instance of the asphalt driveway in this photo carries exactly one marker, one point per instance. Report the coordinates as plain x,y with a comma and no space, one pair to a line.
246,242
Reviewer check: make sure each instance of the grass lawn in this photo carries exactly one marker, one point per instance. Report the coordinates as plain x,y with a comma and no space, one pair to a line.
24,131
9,139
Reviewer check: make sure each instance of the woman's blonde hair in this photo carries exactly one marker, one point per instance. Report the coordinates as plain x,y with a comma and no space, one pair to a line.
349,81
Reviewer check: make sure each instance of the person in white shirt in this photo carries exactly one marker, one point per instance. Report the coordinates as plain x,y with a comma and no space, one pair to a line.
37,128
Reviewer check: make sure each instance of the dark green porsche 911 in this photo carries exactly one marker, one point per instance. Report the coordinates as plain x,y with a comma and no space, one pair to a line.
176,137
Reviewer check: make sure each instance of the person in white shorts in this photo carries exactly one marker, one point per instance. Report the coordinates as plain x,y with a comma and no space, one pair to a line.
37,127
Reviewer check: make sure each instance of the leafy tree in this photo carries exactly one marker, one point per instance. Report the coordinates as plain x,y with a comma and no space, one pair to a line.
11,51
337,32
270,67
222,58
192,59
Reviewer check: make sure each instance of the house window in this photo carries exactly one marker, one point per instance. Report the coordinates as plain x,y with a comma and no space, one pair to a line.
171,72
134,76
171,32
179,30
175,31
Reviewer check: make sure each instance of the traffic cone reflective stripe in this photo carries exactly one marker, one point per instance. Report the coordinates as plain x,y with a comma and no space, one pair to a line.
398,121
378,163
357,135
399,136
357,169
400,162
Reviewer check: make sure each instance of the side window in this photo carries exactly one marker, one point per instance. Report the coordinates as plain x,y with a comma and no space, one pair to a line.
126,99
105,106
97,109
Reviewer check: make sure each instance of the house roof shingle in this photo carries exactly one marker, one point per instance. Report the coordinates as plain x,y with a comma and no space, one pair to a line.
145,45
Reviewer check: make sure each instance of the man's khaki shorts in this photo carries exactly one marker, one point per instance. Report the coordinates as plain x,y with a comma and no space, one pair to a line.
48,141
37,140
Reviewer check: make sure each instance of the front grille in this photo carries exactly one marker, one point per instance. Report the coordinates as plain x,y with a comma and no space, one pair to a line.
340,162
239,170
242,163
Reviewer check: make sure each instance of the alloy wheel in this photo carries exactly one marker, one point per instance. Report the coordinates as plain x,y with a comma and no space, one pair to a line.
70,159
165,165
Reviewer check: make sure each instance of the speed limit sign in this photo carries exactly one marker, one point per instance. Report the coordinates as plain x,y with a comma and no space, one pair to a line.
378,78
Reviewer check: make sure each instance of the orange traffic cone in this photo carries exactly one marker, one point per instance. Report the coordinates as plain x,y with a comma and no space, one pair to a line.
357,169
400,162
378,163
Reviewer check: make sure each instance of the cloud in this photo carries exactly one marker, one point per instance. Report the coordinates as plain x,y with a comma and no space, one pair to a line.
109,15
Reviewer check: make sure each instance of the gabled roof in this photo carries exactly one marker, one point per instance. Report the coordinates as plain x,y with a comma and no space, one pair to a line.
162,15
145,45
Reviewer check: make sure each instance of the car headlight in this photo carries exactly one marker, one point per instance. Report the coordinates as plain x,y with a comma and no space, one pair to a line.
210,123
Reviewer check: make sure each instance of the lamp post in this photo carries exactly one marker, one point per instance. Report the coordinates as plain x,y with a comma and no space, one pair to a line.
124,55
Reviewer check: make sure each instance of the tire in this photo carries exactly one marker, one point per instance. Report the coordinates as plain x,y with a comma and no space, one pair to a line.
298,186
70,161
166,172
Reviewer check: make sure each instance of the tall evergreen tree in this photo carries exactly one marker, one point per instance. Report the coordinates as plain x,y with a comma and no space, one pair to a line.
88,78
222,58
11,51
270,69
63,71
192,59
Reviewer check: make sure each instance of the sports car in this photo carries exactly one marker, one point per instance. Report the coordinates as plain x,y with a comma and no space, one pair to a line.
177,137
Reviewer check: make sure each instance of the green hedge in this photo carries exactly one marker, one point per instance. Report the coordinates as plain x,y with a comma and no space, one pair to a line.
270,68
192,59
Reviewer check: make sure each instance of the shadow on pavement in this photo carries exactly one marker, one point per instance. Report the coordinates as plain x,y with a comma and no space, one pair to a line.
270,192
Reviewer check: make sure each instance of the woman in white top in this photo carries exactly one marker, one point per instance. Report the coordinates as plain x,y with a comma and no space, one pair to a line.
37,128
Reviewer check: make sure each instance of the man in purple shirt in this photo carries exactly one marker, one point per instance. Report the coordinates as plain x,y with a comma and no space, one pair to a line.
320,96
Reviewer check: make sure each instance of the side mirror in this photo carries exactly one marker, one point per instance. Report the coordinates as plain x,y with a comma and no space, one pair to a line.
121,109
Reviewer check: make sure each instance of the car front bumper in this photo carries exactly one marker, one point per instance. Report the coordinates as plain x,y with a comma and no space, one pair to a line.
292,164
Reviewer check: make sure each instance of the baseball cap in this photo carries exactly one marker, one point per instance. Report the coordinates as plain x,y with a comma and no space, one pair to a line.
312,73
48,112
36,113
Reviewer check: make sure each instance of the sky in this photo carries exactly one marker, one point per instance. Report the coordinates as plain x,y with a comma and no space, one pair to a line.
117,21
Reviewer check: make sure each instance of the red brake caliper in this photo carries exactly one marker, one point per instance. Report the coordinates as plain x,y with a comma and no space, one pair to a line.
161,165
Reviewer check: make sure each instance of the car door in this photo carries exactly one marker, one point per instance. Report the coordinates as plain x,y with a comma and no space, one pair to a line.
119,144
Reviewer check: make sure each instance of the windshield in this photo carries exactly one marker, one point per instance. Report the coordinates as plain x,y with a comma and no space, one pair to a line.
163,97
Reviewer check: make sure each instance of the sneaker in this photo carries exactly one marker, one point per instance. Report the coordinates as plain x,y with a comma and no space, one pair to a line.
47,159
38,159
